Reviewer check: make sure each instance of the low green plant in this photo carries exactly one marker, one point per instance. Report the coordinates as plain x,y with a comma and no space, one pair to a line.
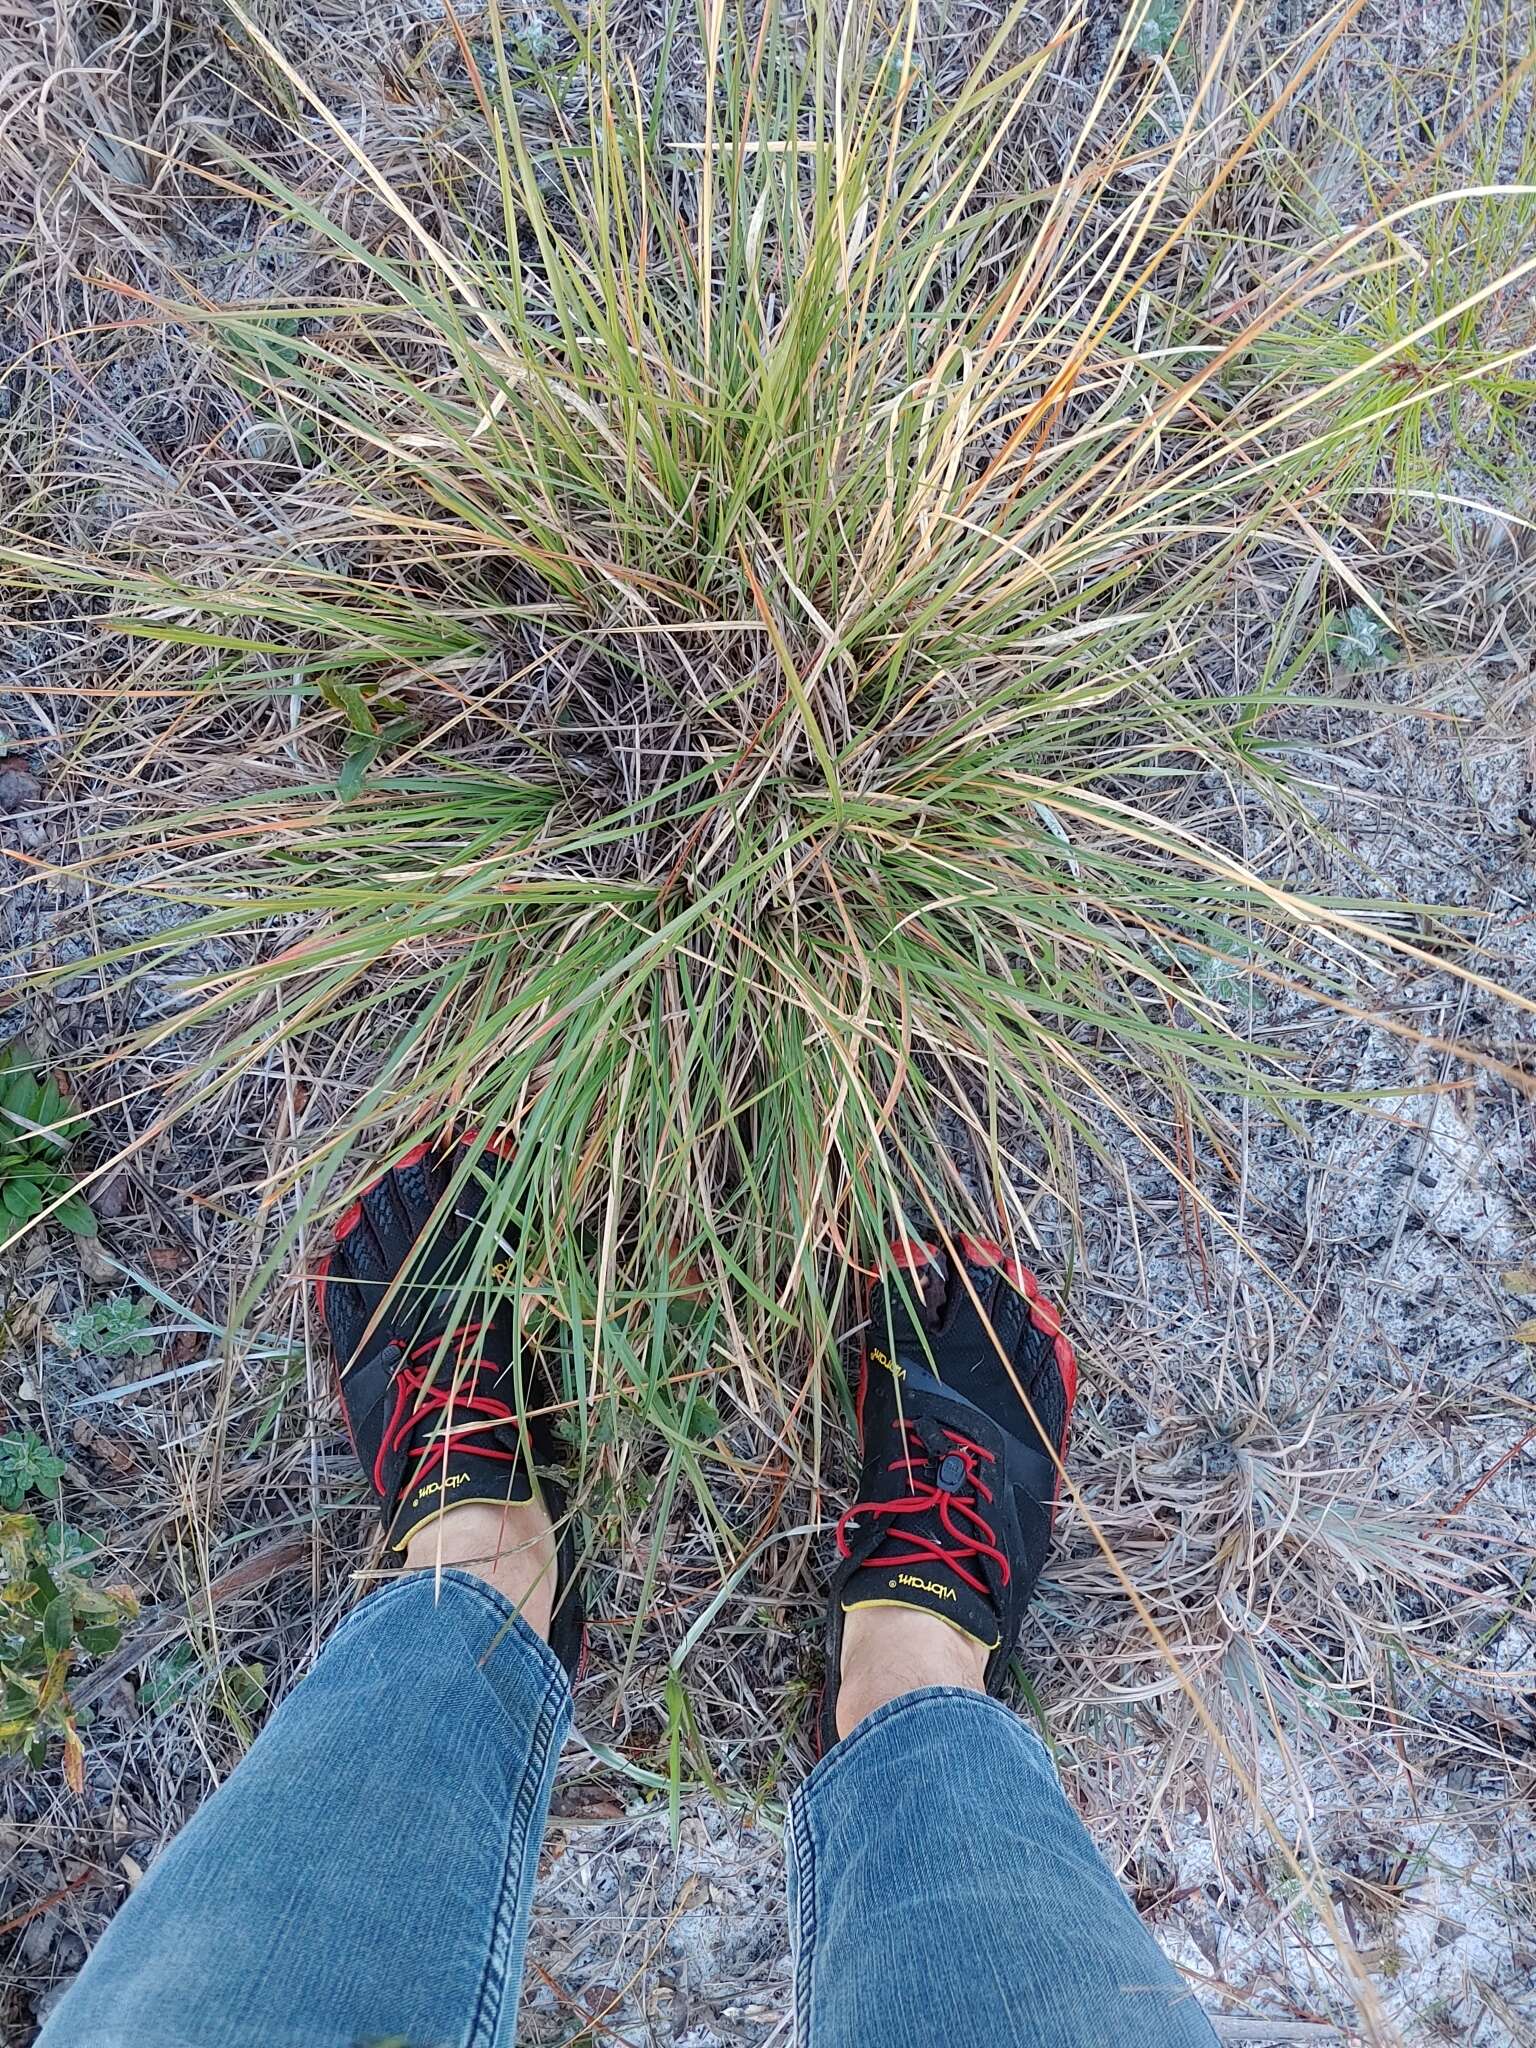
1360,640
178,1675
169,1679
117,1328
52,1612
37,1128
27,1465
1157,28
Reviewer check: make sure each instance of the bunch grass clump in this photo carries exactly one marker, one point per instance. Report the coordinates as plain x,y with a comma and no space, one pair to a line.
747,617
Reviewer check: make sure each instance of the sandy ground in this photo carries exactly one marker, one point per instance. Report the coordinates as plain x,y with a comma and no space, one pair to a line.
1311,1452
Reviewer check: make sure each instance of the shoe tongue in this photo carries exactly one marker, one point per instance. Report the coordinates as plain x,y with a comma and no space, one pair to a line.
931,1589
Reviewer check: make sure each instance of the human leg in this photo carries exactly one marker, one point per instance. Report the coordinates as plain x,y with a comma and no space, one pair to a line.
941,1888
365,1874
942,1891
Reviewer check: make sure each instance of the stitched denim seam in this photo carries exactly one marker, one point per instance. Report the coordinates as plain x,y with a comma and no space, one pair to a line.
517,1639
804,1851
491,1996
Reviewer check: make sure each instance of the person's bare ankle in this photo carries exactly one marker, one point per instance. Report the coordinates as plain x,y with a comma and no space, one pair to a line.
890,1651
511,1548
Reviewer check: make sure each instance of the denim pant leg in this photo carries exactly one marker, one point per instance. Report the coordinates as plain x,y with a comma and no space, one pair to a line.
941,1890
365,1875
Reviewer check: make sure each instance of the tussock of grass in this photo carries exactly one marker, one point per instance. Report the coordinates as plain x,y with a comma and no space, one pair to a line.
768,588
756,607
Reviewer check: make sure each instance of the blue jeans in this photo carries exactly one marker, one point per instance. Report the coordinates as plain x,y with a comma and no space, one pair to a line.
366,1875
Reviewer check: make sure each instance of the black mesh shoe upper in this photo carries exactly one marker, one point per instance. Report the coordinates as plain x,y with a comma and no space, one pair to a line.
432,1383
962,1388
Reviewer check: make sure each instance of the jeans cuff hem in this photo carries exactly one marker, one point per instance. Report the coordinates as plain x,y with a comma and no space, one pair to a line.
924,1699
450,1587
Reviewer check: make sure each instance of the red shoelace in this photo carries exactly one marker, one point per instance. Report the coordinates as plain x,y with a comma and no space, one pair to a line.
971,1537
442,1388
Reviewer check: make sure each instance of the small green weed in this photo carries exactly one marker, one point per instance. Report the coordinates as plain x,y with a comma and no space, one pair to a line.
1359,641
179,1675
1157,28
51,1610
37,1128
26,1466
119,1328
172,1677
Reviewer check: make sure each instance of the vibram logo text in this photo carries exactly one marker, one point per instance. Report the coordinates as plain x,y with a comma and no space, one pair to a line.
439,1486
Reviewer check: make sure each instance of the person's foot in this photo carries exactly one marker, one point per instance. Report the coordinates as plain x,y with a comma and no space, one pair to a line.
514,1549
436,1394
940,1553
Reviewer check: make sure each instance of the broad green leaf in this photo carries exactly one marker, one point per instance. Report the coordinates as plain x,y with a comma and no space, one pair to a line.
359,758
1155,33
21,1199
58,1624
75,1213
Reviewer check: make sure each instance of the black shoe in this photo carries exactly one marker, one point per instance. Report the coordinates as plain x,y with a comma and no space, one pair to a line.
434,1403
958,1491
